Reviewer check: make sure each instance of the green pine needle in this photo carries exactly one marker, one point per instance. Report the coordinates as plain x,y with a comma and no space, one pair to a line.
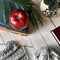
9,6
32,21
35,18
22,1
4,12
37,15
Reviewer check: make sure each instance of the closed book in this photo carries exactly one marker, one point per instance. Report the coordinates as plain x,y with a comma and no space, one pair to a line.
7,27
56,34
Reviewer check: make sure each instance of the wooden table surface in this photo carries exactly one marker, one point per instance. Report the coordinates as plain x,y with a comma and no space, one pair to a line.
36,39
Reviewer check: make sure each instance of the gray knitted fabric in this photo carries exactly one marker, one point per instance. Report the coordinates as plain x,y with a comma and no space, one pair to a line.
13,51
47,54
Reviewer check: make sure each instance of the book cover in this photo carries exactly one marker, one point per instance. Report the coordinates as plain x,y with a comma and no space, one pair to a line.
56,34
7,27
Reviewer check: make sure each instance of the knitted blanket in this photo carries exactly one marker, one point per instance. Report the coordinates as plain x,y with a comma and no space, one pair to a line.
13,51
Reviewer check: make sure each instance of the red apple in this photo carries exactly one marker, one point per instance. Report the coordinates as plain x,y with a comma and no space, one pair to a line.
18,19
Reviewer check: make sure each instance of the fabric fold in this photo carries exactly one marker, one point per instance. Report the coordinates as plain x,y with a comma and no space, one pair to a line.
13,51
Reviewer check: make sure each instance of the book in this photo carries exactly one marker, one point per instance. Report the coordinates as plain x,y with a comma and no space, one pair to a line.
7,27
56,34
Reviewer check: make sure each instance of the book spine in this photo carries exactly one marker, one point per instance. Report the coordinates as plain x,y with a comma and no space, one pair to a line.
57,40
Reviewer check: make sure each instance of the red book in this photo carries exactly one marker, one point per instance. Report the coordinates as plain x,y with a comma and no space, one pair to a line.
56,34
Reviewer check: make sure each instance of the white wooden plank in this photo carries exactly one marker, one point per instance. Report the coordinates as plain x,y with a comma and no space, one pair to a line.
13,37
4,36
45,31
1,40
36,40
56,21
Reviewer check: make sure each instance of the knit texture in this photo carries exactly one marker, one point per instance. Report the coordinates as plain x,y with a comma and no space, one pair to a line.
13,51
47,53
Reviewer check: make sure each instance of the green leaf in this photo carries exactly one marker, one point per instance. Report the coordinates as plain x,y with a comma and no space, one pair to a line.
4,12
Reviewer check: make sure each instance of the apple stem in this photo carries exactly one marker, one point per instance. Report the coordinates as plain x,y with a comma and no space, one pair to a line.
17,17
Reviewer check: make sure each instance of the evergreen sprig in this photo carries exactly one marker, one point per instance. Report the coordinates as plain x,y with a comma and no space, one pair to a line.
31,9
33,12
9,7
4,12
22,1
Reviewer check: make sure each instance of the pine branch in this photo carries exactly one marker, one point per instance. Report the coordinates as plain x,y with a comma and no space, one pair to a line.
4,12
22,1
32,21
9,6
35,20
28,6
37,15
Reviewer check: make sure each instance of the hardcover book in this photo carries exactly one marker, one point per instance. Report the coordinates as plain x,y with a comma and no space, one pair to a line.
56,34
7,27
